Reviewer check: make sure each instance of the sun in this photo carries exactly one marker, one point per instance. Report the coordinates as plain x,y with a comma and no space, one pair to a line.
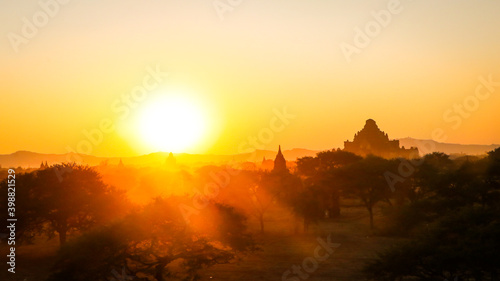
172,124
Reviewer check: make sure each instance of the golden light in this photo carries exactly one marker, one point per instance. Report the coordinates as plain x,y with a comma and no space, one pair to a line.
172,123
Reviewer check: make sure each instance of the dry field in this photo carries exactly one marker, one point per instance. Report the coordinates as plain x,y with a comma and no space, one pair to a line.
280,250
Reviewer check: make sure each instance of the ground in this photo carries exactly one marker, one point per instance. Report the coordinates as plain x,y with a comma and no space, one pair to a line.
280,250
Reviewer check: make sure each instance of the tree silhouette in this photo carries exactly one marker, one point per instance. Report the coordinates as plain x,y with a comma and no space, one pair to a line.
263,194
365,180
454,226
319,173
62,199
29,222
156,244
305,204
461,245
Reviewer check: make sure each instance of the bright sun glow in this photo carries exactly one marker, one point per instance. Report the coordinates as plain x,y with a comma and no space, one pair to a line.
172,123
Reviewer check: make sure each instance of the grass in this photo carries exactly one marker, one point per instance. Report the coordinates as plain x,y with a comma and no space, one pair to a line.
280,250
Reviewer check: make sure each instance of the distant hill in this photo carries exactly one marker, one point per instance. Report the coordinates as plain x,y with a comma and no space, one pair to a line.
32,159
29,159
448,148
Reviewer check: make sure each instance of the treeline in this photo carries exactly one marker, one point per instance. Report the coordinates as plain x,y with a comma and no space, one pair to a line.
446,209
451,216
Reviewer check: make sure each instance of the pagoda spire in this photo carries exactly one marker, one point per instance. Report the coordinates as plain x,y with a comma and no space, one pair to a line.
279,162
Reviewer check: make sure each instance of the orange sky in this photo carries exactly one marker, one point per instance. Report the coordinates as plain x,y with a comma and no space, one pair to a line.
241,66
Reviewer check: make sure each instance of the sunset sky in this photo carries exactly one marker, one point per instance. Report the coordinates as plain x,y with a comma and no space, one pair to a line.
229,72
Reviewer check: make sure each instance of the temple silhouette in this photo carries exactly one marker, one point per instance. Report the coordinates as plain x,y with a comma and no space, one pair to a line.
371,140
280,162
171,162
